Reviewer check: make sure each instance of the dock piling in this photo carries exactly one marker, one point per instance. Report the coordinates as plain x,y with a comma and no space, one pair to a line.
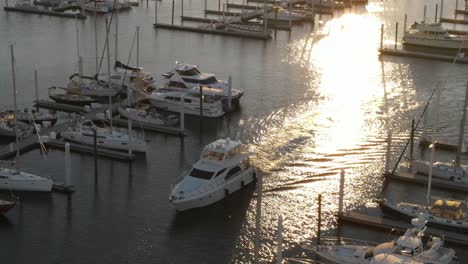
6,4
14,99
129,139
229,93
404,24
258,217
182,11
319,223
95,154
396,35
381,36
138,46
36,87
435,17
424,14
172,19
201,102
387,156
182,114
68,180
412,140
219,5
341,197
441,8
155,14
429,181
206,6
279,248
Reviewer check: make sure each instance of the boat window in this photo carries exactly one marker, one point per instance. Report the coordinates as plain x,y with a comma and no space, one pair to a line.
3,177
233,172
220,172
233,152
206,81
201,174
187,100
177,84
173,98
209,154
189,72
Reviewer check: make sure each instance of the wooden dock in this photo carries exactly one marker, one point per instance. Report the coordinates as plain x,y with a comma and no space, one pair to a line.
87,149
35,10
454,21
212,21
389,224
213,31
422,179
60,107
147,126
457,32
461,11
422,55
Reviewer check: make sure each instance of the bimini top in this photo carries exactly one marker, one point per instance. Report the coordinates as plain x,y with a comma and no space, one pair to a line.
450,209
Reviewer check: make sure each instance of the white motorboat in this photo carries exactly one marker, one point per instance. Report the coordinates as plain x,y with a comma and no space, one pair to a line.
444,213
172,101
15,180
8,126
222,169
146,115
441,170
83,133
188,76
408,249
433,35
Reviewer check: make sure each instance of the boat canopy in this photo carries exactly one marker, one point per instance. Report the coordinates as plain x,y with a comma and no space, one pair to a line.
450,209
221,149
187,70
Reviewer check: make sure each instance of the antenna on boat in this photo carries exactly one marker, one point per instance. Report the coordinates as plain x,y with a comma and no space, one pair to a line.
14,100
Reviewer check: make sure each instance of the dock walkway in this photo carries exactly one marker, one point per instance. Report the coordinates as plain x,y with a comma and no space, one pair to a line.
422,55
35,10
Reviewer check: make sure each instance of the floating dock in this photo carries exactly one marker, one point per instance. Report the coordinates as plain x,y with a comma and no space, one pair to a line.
213,31
146,126
88,149
436,182
35,10
454,21
389,224
60,107
422,55
212,21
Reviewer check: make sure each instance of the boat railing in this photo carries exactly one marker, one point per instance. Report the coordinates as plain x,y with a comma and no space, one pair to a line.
346,241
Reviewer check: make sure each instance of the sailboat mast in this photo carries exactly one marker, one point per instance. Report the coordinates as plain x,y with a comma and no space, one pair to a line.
462,129
14,99
108,71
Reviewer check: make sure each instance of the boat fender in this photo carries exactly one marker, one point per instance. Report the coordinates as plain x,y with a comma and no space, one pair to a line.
226,192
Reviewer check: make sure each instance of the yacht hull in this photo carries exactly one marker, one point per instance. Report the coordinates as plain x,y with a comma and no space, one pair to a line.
217,194
173,107
436,43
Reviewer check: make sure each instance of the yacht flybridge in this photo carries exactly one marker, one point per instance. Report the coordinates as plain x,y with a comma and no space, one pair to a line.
222,170
83,133
408,248
187,76
433,35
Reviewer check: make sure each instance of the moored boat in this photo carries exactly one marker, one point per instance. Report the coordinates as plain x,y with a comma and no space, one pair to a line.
222,169
67,98
433,35
16,180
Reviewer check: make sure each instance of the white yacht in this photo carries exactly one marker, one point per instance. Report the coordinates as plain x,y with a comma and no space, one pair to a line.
145,115
408,248
83,134
172,101
221,170
188,76
433,35
441,170
15,180
447,214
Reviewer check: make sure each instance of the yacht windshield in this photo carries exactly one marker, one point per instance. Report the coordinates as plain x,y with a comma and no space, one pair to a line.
189,72
201,174
206,81
214,155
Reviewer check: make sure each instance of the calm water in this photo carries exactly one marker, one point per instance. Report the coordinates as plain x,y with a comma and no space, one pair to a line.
315,103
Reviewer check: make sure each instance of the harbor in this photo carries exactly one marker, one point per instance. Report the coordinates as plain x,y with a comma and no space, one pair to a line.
271,131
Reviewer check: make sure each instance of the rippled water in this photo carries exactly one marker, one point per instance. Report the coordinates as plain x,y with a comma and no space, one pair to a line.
318,100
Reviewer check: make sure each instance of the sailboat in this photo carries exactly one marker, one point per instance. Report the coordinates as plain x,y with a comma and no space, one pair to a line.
12,178
6,204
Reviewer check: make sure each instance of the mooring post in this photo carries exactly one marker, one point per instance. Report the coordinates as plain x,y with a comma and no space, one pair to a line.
441,9
182,114
206,6
130,139
95,153
155,14
387,156
68,180
412,140
279,248
424,127
319,224
341,194
404,24
219,5
172,12
36,86
396,35
424,15
276,19
258,217
435,17
182,11
6,3
381,36
229,93
201,102
147,3
138,45
429,181
456,5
